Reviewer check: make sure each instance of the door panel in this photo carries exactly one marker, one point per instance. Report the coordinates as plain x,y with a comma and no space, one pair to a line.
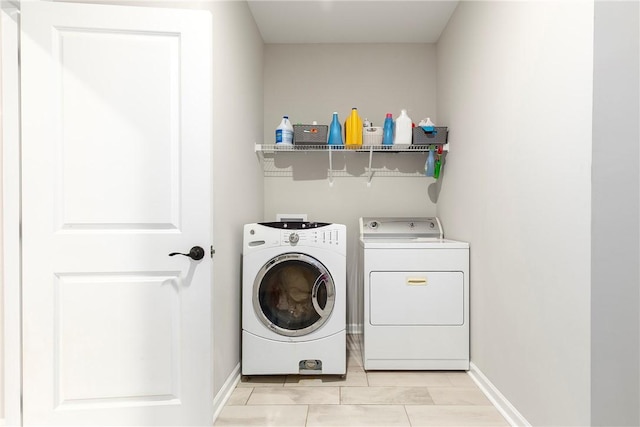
115,176
130,125
148,306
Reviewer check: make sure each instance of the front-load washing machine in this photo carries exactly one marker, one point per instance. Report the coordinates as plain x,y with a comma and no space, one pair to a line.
293,298
415,289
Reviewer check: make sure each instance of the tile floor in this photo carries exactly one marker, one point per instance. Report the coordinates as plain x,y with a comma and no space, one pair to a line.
375,398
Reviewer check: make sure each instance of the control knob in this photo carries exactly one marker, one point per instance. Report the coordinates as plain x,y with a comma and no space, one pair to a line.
294,238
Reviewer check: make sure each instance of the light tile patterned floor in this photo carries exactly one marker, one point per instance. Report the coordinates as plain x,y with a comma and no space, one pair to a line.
375,398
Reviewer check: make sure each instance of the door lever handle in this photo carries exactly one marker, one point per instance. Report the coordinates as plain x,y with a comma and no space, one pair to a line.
196,253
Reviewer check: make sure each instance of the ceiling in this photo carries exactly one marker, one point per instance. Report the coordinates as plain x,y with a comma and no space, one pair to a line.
351,21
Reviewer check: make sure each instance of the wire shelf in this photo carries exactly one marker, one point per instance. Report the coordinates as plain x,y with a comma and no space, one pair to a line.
340,163
280,148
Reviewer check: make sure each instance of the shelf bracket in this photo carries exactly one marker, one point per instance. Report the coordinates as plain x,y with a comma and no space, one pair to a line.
258,149
330,167
370,169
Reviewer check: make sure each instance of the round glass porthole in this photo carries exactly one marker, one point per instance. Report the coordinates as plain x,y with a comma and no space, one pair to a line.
293,294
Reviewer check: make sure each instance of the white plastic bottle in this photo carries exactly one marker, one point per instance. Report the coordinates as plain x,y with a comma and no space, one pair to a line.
284,132
403,129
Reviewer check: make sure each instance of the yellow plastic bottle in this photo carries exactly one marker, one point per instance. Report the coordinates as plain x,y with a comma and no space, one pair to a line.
353,129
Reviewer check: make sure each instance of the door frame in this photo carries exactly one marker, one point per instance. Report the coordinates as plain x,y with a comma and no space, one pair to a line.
12,255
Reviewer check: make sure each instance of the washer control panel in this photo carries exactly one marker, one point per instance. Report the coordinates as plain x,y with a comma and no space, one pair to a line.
316,237
296,234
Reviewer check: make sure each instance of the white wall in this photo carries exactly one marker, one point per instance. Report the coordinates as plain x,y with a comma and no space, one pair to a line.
615,347
311,81
515,87
238,182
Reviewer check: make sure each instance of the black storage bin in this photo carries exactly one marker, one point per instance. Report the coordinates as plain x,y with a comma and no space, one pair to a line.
437,137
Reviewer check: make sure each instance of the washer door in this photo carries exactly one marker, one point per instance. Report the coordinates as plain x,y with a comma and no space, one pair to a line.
293,294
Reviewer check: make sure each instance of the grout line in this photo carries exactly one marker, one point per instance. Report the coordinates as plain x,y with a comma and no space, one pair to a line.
246,403
407,414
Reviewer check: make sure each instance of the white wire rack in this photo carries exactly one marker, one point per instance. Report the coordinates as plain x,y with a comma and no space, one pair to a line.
343,161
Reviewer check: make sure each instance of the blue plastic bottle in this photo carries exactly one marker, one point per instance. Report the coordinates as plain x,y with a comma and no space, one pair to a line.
335,131
429,167
387,130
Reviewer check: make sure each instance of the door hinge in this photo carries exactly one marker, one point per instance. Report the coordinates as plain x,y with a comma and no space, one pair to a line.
212,251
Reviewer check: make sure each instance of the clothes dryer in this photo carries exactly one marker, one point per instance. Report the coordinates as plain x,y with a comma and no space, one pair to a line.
416,296
293,298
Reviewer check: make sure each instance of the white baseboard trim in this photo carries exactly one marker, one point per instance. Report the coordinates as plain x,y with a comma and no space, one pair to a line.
506,409
354,328
225,392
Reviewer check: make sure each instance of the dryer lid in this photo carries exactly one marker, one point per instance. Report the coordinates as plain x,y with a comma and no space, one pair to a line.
399,228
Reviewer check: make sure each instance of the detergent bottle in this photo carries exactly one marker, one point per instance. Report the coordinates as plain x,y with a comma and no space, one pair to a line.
429,166
335,131
403,130
353,129
284,132
387,130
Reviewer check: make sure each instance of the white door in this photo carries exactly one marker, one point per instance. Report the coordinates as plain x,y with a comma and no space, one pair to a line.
116,138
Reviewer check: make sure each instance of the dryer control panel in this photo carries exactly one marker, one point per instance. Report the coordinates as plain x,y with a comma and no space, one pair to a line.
401,228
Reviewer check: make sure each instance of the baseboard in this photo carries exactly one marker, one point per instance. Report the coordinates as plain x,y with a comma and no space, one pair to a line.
225,392
354,328
508,411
